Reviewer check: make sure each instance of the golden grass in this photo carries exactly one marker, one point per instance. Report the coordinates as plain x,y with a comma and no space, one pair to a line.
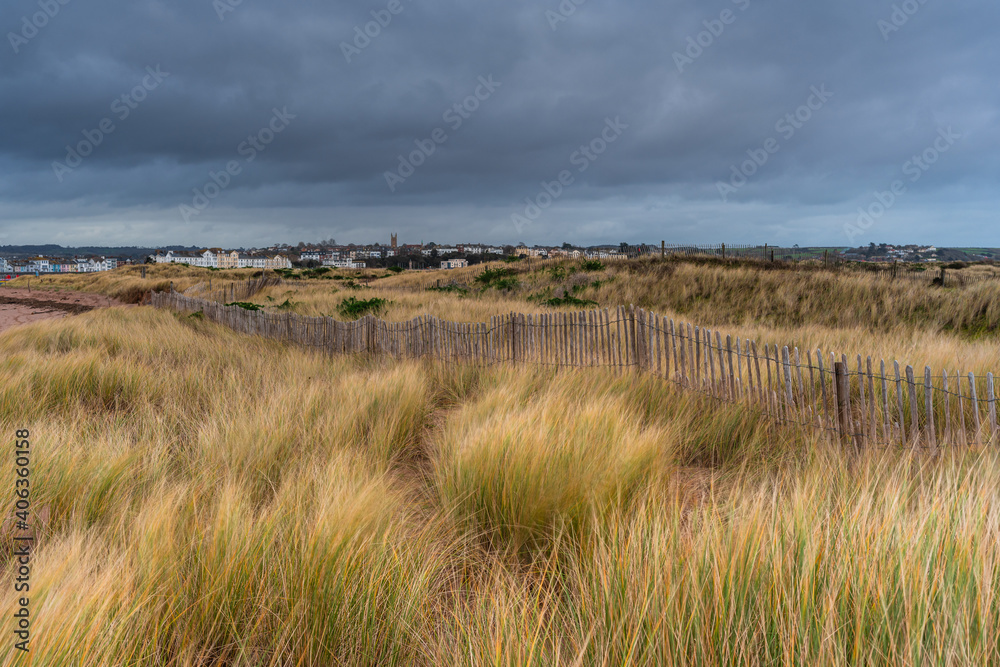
128,286
217,499
799,305
952,329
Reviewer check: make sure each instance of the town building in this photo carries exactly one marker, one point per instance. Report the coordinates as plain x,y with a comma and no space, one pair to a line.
454,263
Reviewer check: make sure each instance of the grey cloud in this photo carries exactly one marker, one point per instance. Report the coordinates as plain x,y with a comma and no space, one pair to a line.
324,175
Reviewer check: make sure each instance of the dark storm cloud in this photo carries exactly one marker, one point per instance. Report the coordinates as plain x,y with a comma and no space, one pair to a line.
697,84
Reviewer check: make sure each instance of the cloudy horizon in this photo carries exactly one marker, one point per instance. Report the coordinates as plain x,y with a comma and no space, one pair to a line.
249,122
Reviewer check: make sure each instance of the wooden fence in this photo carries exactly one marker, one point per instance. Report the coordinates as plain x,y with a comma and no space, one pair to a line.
763,252
931,276
241,290
858,400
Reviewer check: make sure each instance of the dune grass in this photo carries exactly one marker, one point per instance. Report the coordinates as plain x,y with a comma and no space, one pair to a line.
799,305
128,286
217,499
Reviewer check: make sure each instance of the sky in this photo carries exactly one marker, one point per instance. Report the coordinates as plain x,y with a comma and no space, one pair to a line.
250,122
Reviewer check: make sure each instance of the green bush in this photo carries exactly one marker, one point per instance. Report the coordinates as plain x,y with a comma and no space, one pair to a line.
245,305
592,265
396,269
569,300
499,278
453,289
505,284
353,308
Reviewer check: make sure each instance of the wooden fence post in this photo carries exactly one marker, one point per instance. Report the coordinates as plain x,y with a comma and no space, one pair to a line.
992,403
633,339
914,407
975,408
513,337
787,372
899,405
842,388
929,407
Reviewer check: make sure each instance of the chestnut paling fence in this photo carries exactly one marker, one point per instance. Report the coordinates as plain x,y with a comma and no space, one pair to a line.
858,400
237,291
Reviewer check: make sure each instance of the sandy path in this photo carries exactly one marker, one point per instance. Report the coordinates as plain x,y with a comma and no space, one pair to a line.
21,306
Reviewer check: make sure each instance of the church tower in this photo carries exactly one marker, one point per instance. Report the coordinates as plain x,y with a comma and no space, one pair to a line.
393,242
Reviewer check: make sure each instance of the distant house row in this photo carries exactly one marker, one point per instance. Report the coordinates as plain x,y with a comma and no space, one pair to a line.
462,250
217,258
59,265
341,256
524,251
340,259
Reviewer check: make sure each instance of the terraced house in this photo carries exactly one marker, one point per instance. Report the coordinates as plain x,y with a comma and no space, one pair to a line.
66,265
217,258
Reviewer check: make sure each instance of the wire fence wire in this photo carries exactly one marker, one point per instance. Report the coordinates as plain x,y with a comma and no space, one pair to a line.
857,400
765,252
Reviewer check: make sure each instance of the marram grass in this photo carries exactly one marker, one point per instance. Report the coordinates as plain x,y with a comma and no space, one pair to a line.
216,499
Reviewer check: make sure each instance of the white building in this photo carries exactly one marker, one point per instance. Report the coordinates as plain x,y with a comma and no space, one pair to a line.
441,250
454,263
216,258
344,263
604,254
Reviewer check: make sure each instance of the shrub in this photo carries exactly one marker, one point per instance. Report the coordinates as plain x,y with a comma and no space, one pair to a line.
569,300
396,269
505,284
245,305
453,289
499,278
592,265
353,308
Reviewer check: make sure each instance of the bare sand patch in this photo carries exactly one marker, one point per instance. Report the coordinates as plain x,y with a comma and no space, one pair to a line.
21,306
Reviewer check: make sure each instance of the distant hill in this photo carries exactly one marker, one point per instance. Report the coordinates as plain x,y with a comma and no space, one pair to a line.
52,250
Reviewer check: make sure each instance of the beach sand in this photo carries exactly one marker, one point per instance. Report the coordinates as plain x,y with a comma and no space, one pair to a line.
21,306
